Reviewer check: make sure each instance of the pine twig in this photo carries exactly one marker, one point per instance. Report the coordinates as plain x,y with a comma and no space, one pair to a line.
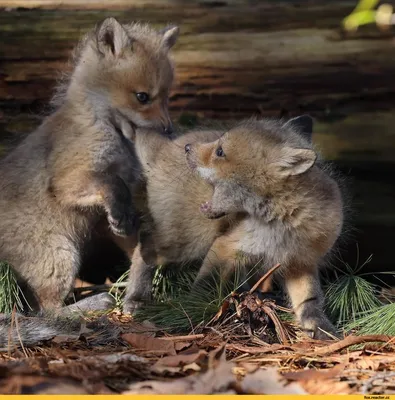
264,277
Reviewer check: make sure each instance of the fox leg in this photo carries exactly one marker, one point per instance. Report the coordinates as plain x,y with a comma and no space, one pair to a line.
51,286
221,257
307,300
141,273
84,189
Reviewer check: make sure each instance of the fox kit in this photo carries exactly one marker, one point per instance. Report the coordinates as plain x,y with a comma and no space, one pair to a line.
256,190
80,163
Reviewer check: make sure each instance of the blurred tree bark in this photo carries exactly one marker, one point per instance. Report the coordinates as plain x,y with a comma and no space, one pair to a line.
234,58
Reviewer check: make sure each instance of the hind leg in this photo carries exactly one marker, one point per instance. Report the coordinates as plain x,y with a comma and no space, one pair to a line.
307,300
50,276
222,258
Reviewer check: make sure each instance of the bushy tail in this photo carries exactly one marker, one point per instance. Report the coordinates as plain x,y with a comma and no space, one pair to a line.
18,330
21,330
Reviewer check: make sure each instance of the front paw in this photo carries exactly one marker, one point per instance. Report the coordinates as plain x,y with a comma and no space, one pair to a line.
321,329
207,210
123,222
132,306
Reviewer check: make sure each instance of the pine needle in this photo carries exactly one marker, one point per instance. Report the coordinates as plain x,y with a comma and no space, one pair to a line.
10,293
378,321
350,296
190,308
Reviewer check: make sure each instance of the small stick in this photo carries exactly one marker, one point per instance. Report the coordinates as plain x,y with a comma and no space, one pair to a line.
19,335
277,323
186,337
350,341
10,330
268,273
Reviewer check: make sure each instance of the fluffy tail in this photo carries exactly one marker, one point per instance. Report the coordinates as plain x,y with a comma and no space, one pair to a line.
20,330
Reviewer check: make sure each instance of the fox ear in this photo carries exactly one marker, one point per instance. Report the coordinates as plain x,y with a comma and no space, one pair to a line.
305,125
295,161
170,35
111,37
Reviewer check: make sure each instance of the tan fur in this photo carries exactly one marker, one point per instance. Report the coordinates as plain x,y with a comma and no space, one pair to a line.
80,164
267,199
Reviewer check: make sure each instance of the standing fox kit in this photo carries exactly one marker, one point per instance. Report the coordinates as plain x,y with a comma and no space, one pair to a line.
80,163
255,194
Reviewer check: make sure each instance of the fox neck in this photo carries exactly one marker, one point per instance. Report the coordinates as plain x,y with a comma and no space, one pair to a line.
282,204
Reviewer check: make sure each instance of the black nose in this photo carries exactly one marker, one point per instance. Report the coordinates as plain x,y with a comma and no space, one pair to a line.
169,129
187,148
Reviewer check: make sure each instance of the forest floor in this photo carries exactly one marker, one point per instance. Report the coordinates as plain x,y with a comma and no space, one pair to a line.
245,349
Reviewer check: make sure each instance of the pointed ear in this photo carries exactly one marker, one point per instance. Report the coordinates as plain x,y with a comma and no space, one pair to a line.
111,37
305,125
170,35
295,161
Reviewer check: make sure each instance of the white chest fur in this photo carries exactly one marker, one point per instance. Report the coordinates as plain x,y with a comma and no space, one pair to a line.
271,241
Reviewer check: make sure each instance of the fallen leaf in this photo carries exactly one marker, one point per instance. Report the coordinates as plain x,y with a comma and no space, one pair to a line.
326,387
269,381
181,359
217,380
310,374
144,342
367,363
217,356
182,345
223,309
31,384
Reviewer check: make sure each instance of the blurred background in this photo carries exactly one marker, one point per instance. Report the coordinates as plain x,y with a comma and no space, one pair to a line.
235,59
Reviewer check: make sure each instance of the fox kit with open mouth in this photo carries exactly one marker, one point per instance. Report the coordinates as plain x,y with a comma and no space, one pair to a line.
80,164
255,191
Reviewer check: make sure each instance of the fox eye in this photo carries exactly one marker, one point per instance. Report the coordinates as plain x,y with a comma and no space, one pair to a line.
142,97
219,152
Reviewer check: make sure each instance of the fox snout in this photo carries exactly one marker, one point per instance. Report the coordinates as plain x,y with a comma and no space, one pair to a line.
189,156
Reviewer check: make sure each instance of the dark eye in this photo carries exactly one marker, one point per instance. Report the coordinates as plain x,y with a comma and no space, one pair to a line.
142,97
219,152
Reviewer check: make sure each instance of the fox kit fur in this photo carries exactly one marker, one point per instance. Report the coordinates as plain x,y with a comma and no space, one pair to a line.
255,191
80,163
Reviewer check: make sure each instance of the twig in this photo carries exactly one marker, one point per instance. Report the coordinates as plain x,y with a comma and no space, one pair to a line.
277,323
19,335
10,331
97,288
268,273
186,337
350,341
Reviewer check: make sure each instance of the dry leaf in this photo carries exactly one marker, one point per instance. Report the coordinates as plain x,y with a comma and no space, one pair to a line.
144,342
310,374
326,387
31,384
223,309
217,380
181,359
182,345
269,381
